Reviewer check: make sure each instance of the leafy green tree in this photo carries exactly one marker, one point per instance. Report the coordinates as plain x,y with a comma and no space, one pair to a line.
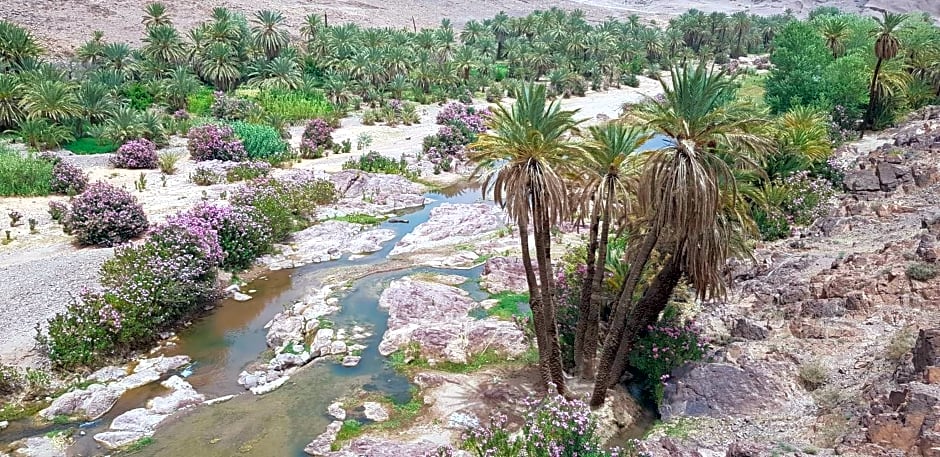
799,57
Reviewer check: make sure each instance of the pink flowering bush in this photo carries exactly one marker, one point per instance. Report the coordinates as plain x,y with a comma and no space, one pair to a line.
213,142
317,137
243,232
460,125
136,154
664,348
82,334
105,215
552,427
68,179
288,202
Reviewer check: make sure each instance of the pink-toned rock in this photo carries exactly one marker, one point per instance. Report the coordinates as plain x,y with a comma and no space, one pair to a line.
376,193
451,224
504,274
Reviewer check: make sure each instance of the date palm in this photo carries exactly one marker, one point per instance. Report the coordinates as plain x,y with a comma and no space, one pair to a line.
92,50
522,162
683,193
610,164
177,86
49,99
886,48
117,56
95,102
164,46
10,92
267,33
836,30
155,15
280,73
219,65
16,45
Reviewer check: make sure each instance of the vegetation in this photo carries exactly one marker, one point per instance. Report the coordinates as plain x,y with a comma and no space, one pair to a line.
105,216
664,348
363,219
137,154
373,162
507,306
88,146
921,271
24,176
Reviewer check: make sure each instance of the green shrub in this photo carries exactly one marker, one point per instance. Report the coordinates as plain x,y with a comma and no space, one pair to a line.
138,97
901,344
262,142
42,134
289,202
664,348
205,176
246,171
83,334
921,271
813,375
24,176
294,105
373,162
508,306
89,146
167,161
200,102
105,215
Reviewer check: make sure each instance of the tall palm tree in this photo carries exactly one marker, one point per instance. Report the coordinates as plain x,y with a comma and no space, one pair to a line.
268,36
155,15
177,86
836,30
163,45
92,50
523,162
741,24
10,93
886,48
220,66
610,164
682,195
16,45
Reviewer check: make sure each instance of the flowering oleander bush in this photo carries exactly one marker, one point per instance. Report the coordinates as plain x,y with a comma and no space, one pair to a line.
317,137
287,202
231,108
213,142
243,232
664,348
262,142
460,125
84,333
136,154
797,200
553,427
68,179
105,215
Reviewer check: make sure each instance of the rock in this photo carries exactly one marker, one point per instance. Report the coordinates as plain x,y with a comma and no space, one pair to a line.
4,424
248,380
451,224
336,410
161,364
927,349
504,274
182,395
462,421
116,440
375,411
286,360
218,400
862,181
927,248
322,342
749,330
338,347
321,445
285,329
270,386
376,447
89,403
351,360
108,374
369,241
138,420
726,390
326,241
385,193
40,446
238,296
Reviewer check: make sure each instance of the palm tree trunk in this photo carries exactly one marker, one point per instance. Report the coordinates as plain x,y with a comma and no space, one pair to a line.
646,313
594,313
535,303
587,282
872,98
622,309
544,263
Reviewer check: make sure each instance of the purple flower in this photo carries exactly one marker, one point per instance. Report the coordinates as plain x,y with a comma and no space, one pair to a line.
213,142
136,154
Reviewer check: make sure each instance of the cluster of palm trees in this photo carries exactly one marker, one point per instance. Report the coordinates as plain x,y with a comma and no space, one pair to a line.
684,208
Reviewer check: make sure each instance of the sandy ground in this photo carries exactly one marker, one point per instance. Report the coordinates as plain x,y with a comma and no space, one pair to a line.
41,270
63,25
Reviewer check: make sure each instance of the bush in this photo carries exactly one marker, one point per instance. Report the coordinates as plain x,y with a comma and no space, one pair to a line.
58,210
89,146
205,176
106,216
317,136
23,176
813,375
373,162
213,142
167,161
921,271
460,125
138,97
554,426
136,154
41,134
262,142
629,80
200,103
83,334
664,348
243,232
68,179
245,171
288,202
294,105
231,108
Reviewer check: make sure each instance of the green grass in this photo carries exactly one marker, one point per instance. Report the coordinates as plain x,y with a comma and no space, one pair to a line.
23,176
13,411
294,105
363,219
399,361
508,306
140,444
89,146
752,89
351,428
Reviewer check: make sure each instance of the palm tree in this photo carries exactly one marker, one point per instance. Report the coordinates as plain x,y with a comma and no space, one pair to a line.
267,34
117,55
220,66
682,196
49,99
10,93
280,73
93,49
155,15
177,86
163,45
523,163
741,26
95,102
16,45
886,48
610,164
836,30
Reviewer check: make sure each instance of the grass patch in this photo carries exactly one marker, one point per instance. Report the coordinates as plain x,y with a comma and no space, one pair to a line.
406,360
680,428
90,146
508,306
363,219
351,428
140,444
920,271
14,411
752,90
24,176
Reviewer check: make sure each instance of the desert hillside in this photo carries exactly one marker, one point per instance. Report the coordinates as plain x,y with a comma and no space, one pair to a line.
65,25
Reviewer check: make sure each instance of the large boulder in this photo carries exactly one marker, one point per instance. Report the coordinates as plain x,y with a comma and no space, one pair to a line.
451,224
927,349
326,241
322,444
726,390
504,274
376,193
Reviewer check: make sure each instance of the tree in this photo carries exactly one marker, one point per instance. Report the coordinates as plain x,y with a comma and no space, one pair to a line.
886,48
523,163
268,37
799,57
835,29
610,164
177,86
155,15
683,197
49,99
16,45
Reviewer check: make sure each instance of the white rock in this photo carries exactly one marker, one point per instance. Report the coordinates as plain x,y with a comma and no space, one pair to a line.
182,395
270,386
338,347
218,400
238,296
351,360
336,410
119,439
375,411
320,446
138,420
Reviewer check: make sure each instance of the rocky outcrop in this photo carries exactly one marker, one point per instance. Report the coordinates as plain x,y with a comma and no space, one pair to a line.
40,446
369,193
375,411
724,390
504,274
376,447
927,350
436,317
97,399
451,224
321,445
326,241
138,423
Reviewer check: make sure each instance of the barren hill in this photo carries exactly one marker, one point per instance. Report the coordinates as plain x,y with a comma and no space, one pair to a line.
64,24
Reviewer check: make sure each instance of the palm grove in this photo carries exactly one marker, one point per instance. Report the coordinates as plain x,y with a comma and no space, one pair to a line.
738,167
